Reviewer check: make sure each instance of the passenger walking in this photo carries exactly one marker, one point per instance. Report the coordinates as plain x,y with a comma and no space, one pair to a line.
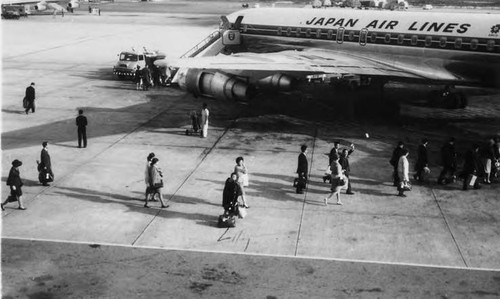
241,171
15,183
336,150
149,188
45,175
230,195
302,170
204,120
422,166
403,173
487,158
138,78
396,154
344,163
146,78
338,180
30,98
155,182
81,123
472,166
449,161
496,163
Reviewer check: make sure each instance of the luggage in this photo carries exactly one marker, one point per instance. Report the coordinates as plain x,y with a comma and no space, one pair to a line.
226,221
25,103
45,177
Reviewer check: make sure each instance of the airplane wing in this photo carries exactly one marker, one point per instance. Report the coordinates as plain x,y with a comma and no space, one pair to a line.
309,62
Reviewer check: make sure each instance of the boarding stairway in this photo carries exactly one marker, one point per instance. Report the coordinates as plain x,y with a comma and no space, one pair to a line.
210,46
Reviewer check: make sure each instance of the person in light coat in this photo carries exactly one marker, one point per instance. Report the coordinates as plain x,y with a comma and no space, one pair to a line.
155,182
204,120
403,172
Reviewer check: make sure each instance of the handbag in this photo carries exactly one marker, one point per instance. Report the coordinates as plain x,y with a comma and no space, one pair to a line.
406,186
242,212
25,103
158,185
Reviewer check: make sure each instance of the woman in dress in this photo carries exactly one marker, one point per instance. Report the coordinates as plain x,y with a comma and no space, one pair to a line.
242,173
403,170
338,179
15,183
155,182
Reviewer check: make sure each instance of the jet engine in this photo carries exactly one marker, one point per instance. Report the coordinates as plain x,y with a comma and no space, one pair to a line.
213,84
41,6
278,82
73,4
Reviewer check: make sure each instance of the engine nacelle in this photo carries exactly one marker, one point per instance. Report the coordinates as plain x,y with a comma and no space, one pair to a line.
73,4
213,84
277,82
41,6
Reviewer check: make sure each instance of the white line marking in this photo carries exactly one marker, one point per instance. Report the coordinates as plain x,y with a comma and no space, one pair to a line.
256,254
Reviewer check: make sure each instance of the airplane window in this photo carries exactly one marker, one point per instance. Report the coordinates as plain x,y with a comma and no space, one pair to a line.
363,35
351,36
442,42
387,38
318,33
340,35
373,37
297,32
458,43
414,40
401,39
490,45
473,44
289,31
428,41
279,30
330,34
308,33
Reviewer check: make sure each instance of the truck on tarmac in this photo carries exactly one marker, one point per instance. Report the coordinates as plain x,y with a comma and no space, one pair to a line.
129,60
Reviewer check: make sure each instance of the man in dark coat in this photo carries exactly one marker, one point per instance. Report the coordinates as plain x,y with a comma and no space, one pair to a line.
45,166
344,162
472,166
30,97
81,123
302,170
449,160
15,183
146,77
422,161
230,195
396,154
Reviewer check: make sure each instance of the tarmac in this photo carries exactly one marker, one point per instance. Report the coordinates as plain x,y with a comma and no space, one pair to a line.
87,235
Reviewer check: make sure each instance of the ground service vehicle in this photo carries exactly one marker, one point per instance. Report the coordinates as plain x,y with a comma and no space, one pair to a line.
129,60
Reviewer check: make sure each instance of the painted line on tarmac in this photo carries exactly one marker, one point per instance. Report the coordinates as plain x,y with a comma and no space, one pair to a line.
305,195
304,257
449,228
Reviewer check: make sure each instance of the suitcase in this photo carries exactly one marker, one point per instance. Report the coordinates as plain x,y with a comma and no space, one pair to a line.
225,222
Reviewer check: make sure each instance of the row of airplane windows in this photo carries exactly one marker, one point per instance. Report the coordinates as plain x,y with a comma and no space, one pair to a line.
364,36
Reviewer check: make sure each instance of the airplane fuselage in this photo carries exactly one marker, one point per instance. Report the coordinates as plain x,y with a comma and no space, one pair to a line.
450,47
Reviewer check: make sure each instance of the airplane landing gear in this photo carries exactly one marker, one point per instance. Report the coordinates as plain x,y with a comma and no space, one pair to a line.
447,99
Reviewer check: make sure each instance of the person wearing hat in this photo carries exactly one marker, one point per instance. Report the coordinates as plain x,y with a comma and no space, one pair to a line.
30,97
155,182
15,183
45,166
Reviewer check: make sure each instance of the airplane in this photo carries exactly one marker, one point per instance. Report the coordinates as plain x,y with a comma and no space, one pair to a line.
43,5
261,49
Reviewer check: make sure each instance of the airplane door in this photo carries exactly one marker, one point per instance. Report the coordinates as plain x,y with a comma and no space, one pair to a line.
231,37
